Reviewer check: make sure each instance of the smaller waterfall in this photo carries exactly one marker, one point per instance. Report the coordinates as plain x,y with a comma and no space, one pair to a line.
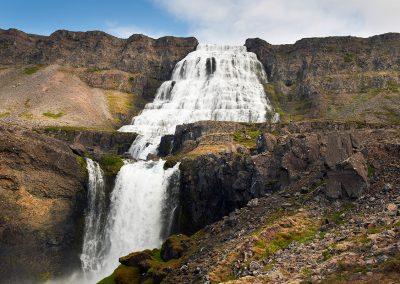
135,220
93,239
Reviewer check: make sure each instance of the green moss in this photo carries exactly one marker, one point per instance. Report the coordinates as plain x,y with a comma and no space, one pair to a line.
371,171
32,69
111,164
247,138
93,69
283,240
82,164
53,115
123,274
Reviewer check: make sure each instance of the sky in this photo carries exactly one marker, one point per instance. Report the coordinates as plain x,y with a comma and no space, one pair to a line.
210,21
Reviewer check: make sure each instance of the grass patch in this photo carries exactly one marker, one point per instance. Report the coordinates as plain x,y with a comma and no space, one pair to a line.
93,69
4,114
82,164
349,57
111,164
53,115
31,70
371,171
247,138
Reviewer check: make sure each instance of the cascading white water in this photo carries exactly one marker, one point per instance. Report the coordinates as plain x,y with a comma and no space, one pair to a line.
211,83
135,218
93,248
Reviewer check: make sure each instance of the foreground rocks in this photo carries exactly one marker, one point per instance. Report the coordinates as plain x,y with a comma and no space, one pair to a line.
330,215
42,197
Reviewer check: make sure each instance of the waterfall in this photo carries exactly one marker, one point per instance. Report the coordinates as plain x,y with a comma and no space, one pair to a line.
135,218
211,83
93,241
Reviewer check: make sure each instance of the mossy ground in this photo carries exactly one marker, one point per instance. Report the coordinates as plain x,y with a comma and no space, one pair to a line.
111,164
53,115
32,69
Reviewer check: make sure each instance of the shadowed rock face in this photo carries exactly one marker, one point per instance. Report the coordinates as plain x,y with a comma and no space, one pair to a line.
42,197
149,61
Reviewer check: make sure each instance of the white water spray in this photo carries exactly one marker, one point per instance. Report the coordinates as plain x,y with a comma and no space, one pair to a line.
212,83
93,241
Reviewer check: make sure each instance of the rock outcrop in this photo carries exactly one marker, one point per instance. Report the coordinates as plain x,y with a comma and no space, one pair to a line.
329,158
334,77
42,197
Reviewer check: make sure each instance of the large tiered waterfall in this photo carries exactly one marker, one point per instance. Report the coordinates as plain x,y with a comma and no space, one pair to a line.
211,83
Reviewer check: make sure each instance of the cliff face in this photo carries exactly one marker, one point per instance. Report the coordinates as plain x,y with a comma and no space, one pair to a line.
225,164
148,61
84,79
345,78
42,197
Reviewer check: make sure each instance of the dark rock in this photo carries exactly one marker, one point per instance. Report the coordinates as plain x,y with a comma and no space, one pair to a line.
42,197
78,149
212,186
349,178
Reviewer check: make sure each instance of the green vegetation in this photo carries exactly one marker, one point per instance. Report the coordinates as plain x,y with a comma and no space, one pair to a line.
247,138
123,274
4,114
275,97
111,164
32,69
326,254
82,164
349,57
371,171
93,69
283,240
53,115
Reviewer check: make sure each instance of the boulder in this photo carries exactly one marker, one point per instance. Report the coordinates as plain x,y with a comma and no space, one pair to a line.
349,178
141,260
174,247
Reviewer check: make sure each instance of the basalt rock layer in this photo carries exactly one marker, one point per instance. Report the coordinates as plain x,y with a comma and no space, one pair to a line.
346,78
148,61
331,158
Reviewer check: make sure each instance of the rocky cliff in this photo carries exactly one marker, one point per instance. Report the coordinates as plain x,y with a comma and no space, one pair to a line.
85,79
148,61
43,197
345,78
263,158
327,208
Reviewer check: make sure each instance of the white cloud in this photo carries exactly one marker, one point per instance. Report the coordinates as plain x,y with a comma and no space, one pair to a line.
283,21
122,31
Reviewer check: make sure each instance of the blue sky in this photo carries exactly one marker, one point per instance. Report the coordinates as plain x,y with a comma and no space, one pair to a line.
46,16
211,21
